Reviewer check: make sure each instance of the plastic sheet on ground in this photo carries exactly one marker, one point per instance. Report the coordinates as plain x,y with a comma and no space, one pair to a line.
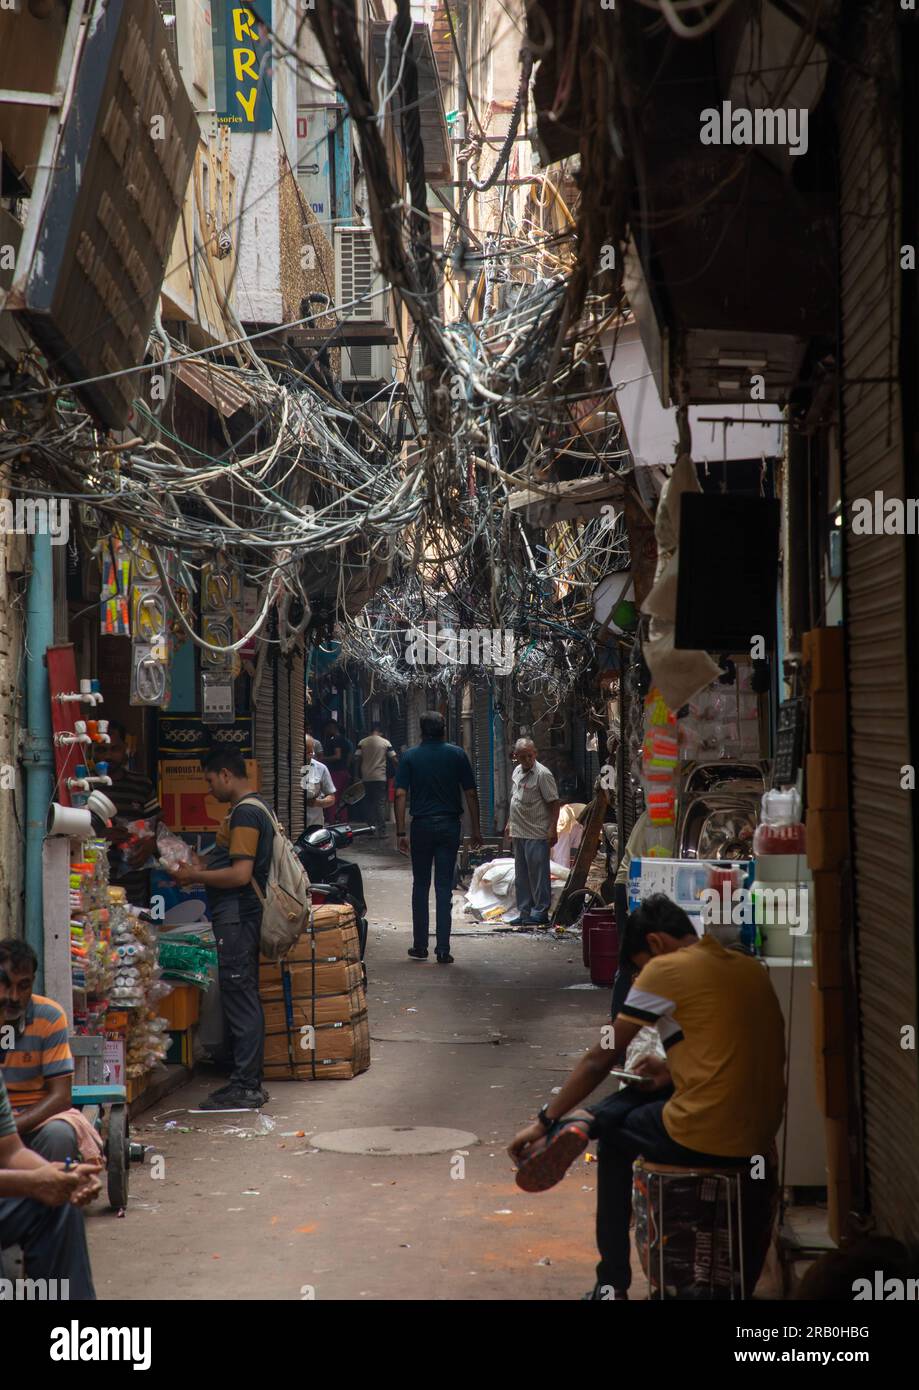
491,892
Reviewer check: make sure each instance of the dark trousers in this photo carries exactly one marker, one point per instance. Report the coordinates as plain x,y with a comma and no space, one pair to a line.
237,935
53,1241
531,878
435,842
376,804
629,1125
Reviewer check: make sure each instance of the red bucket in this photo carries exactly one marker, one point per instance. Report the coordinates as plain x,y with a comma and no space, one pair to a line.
594,917
604,955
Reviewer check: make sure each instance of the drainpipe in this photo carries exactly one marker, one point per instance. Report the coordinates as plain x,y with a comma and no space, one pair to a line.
38,752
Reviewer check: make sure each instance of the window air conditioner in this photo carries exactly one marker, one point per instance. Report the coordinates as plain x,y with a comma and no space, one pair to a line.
361,287
363,362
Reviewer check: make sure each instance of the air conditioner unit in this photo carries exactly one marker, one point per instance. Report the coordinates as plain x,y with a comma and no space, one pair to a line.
363,362
362,290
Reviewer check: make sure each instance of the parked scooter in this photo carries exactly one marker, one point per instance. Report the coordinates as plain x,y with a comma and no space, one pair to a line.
334,880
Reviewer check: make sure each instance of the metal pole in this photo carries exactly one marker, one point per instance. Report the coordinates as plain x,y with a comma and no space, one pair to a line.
38,752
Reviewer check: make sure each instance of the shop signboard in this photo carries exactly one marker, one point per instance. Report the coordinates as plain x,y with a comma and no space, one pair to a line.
113,206
314,125
242,65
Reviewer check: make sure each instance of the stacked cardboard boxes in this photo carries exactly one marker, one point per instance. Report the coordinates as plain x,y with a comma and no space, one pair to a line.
827,851
315,1006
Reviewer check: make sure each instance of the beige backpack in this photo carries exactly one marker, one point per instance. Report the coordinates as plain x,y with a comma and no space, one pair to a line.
286,901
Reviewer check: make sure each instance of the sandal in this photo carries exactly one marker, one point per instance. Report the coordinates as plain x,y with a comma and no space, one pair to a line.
549,1159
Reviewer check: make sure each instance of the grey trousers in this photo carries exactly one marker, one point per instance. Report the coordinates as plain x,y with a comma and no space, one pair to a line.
376,801
531,877
55,1141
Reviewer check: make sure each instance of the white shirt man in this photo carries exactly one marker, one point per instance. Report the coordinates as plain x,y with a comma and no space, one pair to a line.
533,827
316,781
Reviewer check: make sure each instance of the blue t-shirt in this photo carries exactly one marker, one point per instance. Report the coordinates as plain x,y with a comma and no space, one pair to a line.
435,774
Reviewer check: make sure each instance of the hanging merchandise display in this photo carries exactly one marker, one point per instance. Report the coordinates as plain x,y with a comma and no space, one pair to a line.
723,719
221,609
660,754
151,634
115,557
80,742
116,980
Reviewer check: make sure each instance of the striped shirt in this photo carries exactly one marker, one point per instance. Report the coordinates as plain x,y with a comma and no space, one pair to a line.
7,1123
40,1051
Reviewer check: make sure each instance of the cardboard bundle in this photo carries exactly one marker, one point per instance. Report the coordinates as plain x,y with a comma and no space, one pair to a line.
314,1001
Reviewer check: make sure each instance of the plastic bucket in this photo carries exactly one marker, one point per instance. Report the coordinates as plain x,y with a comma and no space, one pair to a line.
604,955
594,917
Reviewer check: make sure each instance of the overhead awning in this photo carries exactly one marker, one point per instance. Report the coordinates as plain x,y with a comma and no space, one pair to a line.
434,134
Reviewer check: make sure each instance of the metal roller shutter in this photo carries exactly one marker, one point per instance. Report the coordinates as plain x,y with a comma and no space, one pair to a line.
265,725
876,599
484,750
282,734
297,819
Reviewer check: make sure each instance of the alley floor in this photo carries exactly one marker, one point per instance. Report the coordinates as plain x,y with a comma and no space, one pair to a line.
476,1046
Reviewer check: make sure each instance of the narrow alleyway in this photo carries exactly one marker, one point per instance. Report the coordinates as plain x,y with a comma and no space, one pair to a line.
476,1046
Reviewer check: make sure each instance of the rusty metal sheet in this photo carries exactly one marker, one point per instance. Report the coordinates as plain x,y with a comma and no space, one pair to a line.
215,386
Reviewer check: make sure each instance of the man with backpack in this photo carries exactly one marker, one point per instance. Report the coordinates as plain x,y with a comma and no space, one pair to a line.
236,879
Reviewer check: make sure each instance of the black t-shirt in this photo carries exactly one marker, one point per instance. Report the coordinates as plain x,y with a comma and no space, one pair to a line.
435,775
246,832
335,746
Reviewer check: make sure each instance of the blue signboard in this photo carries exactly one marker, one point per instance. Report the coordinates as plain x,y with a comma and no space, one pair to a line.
242,64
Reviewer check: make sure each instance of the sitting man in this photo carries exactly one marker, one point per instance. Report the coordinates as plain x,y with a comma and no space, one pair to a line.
40,1210
36,1063
717,1100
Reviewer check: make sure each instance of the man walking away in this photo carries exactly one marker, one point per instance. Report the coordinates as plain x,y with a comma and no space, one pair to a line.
533,827
317,784
339,754
374,759
238,865
438,775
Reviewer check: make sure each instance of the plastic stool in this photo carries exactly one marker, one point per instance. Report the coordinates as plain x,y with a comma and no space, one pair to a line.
732,1178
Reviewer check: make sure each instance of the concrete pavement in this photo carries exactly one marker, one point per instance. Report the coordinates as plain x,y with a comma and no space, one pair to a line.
475,1046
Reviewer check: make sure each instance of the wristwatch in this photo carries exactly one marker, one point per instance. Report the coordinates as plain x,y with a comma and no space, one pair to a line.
543,1118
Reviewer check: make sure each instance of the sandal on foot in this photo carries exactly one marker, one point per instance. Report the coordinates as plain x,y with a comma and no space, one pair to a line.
549,1159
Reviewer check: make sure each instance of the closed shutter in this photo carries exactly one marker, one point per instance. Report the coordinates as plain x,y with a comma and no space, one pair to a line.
484,771
265,725
282,734
297,819
875,594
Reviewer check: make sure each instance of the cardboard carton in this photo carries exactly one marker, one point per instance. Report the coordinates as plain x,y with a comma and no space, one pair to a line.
827,839
827,782
827,719
823,650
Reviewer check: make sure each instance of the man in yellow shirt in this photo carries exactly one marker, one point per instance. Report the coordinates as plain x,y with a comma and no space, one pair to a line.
717,1100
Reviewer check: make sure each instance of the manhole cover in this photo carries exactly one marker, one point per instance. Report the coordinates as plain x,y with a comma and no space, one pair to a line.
395,1139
